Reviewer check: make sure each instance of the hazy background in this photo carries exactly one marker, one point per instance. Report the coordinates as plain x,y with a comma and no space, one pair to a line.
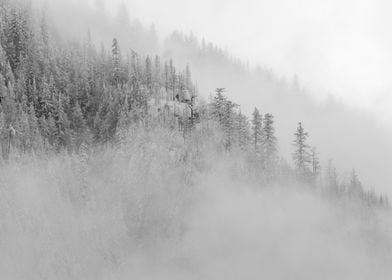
337,47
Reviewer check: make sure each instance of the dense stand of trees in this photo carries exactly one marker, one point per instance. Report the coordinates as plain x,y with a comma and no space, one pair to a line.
55,96
60,96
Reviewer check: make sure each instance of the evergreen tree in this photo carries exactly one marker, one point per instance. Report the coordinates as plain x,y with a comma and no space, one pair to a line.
172,79
157,79
355,187
148,74
51,132
3,136
228,124
35,139
315,163
21,134
257,132
219,105
301,154
166,77
3,62
3,89
44,32
242,130
116,63
62,122
269,139
16,36
78,125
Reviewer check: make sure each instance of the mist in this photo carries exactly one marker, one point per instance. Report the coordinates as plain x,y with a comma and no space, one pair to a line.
195,140
339,47
140,217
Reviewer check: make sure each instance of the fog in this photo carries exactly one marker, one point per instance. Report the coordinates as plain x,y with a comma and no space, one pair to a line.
338,47
139,211
163,199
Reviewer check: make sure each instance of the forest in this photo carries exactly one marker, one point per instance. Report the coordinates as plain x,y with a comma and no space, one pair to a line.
121,138
56,97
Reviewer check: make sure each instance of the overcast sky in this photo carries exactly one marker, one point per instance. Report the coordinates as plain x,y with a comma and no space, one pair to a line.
342,47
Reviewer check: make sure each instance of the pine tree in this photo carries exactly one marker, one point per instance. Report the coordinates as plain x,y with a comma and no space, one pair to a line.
116,63
44,32
51,132
22,131
17,34
244,135
222,110
166,77
315,163
13,42
32,132
219,105
301,154
148,75
45,99
9,76
78,125
3,62
172,79
228,124
257,133
62,122
355,187
269,139
157,73
3,89
3,136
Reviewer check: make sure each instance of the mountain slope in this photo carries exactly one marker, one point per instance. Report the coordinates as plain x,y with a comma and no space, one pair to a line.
346,135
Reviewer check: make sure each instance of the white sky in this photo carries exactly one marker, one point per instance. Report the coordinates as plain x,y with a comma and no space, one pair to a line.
343,47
